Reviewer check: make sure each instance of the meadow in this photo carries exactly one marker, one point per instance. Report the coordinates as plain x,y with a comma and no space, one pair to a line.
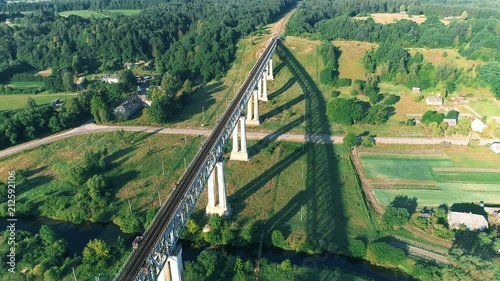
141,166
13,102
459,175
98,14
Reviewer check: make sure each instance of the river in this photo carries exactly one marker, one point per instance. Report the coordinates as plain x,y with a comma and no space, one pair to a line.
78,235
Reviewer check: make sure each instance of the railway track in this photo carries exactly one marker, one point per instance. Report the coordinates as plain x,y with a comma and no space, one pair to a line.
152,236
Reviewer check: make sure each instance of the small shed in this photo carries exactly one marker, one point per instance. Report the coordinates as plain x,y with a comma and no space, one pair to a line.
416,90
55,102
495,147
471,221
450,122
434,100
478,125
425,216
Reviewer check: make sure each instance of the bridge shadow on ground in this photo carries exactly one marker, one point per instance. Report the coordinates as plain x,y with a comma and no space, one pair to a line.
281,108
263,143
283,89
325,219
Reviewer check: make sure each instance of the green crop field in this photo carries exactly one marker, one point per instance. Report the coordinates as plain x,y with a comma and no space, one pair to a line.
448,193
463,184
13,102
414,168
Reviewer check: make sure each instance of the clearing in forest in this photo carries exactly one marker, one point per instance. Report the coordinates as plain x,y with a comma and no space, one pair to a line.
386,18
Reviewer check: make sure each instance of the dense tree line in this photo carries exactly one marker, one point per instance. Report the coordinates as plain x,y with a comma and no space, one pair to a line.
167,34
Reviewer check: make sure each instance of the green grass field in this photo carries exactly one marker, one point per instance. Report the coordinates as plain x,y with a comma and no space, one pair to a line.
13,102
414,168
281,186
97,14
488,108
136,161
82,13
25,85
448,193
438,186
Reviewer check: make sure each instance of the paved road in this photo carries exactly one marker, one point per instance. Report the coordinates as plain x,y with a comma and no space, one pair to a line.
93,128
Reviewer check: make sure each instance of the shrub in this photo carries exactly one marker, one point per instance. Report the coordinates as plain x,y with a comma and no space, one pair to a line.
367,141
350,140
391,99
418,98
384,253
357,248
432,116
335,94
452,114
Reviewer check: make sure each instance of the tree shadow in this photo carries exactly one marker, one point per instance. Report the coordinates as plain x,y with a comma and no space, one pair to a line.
281,108
284,88
405,202
469,208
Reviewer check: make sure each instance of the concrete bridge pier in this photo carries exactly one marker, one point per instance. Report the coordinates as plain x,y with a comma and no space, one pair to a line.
263,80
237,153
253,110
173,269
222,208
270,75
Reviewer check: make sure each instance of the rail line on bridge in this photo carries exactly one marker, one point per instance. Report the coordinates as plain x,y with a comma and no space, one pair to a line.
165,229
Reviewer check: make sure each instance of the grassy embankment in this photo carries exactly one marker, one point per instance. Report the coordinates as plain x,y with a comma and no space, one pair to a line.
446,176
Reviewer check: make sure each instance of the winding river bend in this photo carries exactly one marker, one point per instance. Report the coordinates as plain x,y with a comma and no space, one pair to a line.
78,235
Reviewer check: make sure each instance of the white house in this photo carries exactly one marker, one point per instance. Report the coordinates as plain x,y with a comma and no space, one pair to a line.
478,125
471,221
434,100
495,147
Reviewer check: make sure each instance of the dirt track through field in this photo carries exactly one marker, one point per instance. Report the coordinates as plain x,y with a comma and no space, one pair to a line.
365,183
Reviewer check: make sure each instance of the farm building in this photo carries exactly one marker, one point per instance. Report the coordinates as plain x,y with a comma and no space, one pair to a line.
471,221
478,125
434,100
495,147
450,122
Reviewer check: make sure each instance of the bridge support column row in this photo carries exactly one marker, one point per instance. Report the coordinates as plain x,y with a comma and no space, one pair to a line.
222,208
237,153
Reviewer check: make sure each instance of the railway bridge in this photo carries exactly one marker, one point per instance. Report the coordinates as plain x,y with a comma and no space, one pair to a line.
158,256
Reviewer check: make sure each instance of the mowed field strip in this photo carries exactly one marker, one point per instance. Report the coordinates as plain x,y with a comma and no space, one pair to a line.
433,179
